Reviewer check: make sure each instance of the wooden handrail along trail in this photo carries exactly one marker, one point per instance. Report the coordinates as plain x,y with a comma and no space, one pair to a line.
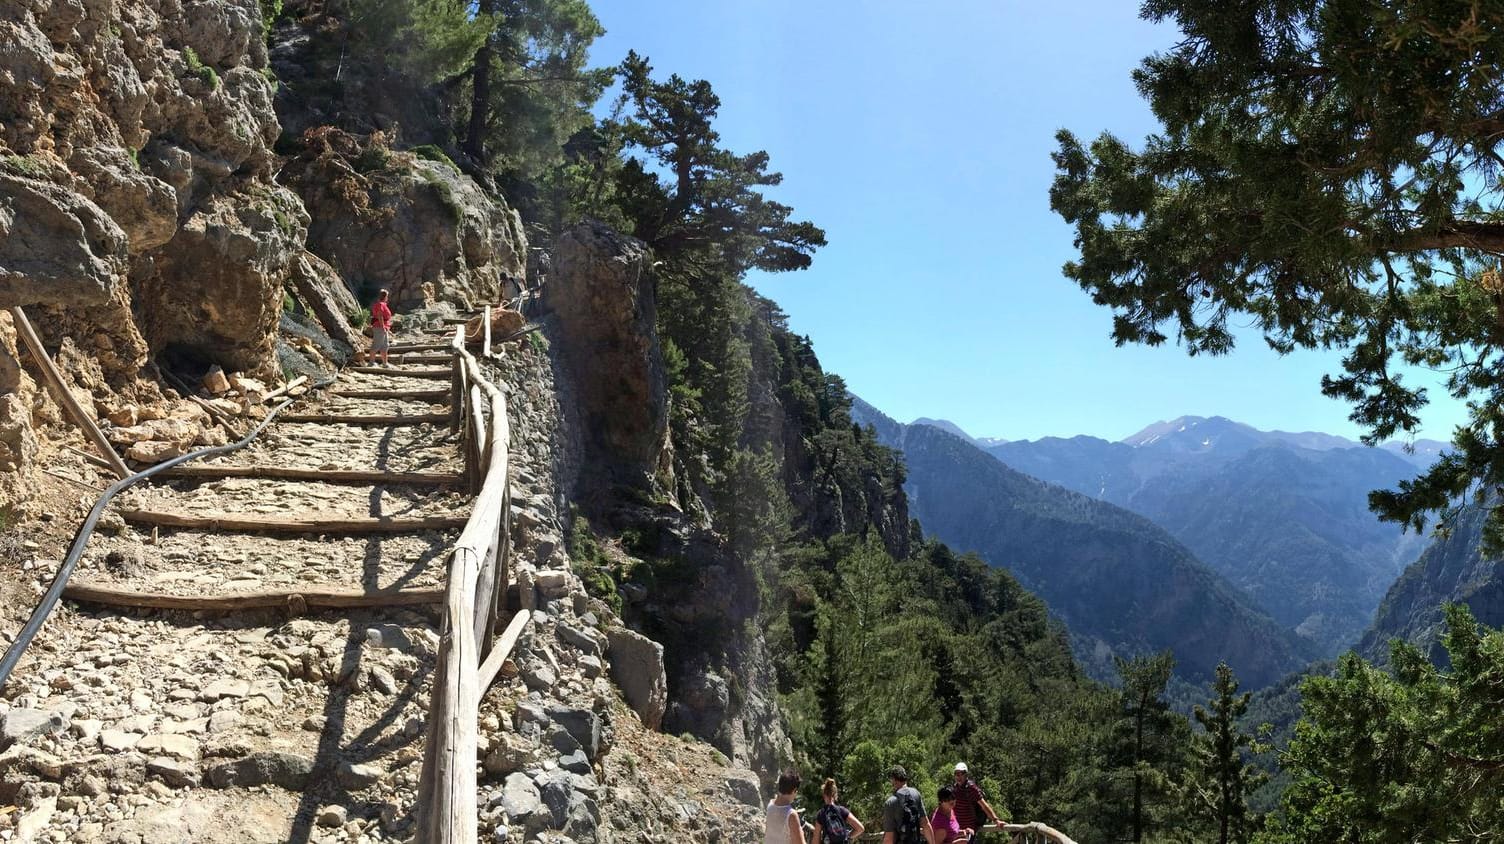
478,578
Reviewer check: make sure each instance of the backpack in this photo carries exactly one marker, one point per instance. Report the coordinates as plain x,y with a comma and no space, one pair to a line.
911,817
833,826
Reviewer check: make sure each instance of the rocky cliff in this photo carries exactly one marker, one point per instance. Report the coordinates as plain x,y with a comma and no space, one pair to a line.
1452,569
171,201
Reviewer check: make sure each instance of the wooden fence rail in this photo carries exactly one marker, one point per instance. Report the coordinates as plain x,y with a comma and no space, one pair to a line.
478,578
1017,833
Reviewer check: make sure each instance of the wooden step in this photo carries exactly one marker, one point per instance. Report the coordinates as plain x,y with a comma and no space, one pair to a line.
264,524
357,419
415,395
400,372
288,473
314,597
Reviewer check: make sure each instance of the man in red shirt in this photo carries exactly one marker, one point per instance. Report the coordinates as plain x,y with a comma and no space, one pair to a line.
381,327
968,800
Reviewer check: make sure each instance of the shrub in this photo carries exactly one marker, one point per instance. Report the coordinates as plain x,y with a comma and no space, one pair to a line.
196,67
429,152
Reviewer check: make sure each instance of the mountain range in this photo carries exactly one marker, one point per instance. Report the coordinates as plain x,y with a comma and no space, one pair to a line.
1122,584
1283,516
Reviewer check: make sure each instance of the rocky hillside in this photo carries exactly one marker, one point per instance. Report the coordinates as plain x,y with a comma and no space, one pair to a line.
1453,569
1121,584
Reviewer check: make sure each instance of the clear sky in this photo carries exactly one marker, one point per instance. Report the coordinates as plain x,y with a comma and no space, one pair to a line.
918,135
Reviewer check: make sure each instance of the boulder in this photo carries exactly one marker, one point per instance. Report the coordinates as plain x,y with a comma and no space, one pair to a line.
327,297
522,804
286,770
583,724
743,785
637,668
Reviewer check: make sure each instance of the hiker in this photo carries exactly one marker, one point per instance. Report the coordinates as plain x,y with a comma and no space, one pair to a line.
782,823
943,821
381,326
969,798
835,824
904,820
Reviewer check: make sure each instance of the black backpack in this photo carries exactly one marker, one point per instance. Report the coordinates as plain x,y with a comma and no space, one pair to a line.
832,819
911,819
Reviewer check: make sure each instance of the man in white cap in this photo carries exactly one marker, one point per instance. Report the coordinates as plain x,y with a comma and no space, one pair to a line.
969,798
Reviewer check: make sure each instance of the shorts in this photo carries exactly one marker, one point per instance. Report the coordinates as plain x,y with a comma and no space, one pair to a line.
380,338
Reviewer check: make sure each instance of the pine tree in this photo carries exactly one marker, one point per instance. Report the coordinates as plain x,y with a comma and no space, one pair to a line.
709,206
1225,780
1151,740
1327,171
1413,756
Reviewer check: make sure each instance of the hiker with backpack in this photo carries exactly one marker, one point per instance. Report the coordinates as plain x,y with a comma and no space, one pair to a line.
782,824
904,819
835,824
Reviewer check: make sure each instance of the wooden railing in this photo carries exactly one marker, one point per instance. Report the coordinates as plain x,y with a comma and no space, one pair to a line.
1018,833
478,578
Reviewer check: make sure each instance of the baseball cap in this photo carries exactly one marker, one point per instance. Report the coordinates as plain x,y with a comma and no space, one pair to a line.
961,766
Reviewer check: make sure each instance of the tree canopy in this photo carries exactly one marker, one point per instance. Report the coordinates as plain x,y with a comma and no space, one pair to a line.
707,198
1329,168
1413,756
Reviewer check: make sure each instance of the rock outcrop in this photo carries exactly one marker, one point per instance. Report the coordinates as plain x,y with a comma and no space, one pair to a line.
138,213
603,298
419,228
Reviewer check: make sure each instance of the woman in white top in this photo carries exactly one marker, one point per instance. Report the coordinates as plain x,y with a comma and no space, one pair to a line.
783,825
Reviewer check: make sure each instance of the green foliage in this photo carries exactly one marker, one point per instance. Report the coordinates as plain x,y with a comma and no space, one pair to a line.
271,10
423,40
196,67
1149,743
1223,780
1416,755
289,304
591,563
537,91
537,342
430,152
709,205
935,658
1328,171
23,165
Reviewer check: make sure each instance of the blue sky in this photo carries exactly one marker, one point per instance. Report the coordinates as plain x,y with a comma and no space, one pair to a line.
918,136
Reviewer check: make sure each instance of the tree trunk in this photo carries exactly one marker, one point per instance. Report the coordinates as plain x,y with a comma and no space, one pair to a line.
480,94
1138,779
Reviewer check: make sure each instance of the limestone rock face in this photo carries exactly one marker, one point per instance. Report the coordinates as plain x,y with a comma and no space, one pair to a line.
138,211
240,249
136,177
607,315
55,246
418,228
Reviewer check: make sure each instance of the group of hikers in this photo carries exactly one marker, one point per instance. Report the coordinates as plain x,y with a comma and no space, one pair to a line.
957,817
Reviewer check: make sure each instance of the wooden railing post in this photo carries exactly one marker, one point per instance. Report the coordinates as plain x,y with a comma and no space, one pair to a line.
485,343
65,396
457,382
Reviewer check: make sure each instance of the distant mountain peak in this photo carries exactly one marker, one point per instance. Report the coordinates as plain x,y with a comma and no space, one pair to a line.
946,425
